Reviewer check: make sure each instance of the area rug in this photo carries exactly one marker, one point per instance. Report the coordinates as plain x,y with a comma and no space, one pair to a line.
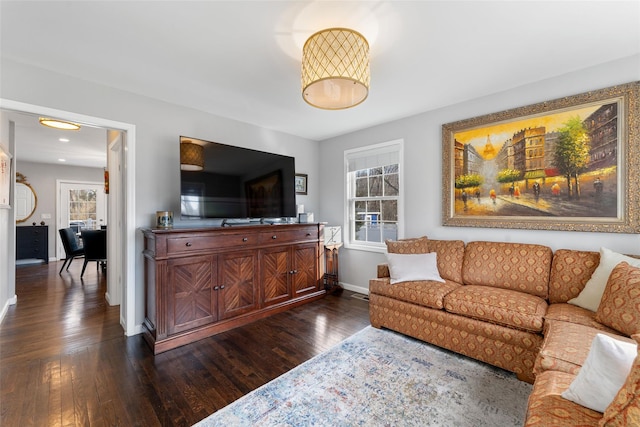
382,378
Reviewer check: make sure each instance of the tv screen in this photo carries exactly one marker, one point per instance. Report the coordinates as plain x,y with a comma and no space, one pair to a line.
226,182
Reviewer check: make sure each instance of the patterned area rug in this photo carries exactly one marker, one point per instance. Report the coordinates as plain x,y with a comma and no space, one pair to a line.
381,378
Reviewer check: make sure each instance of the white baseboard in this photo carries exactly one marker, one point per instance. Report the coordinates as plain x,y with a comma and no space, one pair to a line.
107,296
358,289
137,330
5,308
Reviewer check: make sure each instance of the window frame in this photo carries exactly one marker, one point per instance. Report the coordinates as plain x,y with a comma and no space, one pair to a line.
350,199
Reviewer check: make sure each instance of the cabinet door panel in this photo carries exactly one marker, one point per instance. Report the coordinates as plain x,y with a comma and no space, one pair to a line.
238,293
305,266
275,269
191,302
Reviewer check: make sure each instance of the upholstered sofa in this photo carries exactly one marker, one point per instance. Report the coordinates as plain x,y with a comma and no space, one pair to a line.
505,304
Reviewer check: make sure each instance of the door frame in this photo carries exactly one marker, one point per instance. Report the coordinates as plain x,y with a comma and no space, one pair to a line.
127,184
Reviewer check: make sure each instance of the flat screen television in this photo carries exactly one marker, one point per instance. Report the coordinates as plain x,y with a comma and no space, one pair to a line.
235,182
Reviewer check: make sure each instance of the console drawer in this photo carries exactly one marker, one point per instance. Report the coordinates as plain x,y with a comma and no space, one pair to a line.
284,236
176,245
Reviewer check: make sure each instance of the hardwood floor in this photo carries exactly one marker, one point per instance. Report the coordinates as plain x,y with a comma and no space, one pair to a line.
64,359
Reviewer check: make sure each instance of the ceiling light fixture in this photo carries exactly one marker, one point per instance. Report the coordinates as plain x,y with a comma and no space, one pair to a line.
58,124
335,69
191,156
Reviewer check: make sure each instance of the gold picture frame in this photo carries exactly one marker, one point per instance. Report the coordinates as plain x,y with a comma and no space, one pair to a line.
570,164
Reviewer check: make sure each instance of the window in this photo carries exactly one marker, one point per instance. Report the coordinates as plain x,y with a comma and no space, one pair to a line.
373,209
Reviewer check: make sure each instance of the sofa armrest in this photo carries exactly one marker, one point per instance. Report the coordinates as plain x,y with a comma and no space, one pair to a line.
383,271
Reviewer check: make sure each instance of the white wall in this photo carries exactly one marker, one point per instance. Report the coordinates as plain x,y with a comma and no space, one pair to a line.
423,168
158,126
42,178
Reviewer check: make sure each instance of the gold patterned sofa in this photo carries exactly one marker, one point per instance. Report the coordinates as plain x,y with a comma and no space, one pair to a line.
505,304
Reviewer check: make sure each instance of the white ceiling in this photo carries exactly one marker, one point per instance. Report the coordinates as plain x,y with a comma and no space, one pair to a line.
241,59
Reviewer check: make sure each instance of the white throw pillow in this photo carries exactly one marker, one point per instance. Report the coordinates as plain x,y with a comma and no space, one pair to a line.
604,372
406,267
591,295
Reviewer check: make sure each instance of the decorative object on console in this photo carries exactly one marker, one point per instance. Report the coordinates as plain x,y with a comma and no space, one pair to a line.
164,219
567,164
305,218
301,185
191,156
335,69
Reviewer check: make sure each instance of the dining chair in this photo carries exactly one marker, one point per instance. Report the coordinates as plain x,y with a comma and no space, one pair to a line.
72,248
95,248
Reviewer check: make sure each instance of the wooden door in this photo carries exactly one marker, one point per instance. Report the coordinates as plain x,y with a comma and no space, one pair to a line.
305,268
276,271
238,283
190,296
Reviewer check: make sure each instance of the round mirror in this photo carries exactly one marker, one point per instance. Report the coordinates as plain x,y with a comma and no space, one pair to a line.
25,200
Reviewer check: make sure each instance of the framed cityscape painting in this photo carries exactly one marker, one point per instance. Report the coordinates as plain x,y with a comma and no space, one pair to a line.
568,164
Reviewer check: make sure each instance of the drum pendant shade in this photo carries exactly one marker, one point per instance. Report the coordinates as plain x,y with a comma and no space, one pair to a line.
335,69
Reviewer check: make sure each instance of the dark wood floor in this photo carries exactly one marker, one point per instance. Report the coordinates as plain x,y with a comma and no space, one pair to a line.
64,359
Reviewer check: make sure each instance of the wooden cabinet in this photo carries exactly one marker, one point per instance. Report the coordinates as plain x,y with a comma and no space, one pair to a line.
288,272
199,282
237,289
190,290
32,242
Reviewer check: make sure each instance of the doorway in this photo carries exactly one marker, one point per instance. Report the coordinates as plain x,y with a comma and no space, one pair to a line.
81,205
123,236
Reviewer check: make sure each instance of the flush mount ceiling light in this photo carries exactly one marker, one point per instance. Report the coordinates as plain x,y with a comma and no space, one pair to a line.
191,156
58,124
335,69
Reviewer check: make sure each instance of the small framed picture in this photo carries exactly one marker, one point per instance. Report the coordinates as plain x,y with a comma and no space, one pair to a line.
301,183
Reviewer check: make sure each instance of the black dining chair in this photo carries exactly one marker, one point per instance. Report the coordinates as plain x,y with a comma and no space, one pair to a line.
72,248
95,248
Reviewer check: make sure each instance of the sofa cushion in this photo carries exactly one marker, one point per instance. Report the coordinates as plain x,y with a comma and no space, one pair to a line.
411,267
425,293
620,304
574,314
625,408
450,258
570,271
496,305
603,373
548,408
591,295
566,346
515,266
417,245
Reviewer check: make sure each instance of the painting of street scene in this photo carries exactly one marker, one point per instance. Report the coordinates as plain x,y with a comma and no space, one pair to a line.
562,164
